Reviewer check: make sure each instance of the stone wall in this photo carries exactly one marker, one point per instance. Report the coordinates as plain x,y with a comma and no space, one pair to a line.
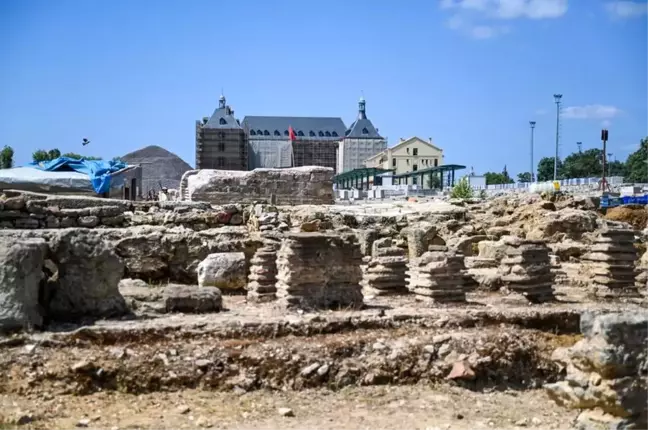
294,186
23,210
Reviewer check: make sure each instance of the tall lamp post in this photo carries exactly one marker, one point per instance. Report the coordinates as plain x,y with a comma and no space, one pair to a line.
609,164
532,124
580,145
557,98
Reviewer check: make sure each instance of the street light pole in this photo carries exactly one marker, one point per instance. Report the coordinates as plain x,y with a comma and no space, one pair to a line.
532,124
580,145
609,164
557,98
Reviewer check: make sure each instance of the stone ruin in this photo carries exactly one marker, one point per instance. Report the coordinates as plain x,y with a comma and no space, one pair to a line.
191,257
261,286
610,261
526,270
384,271
606,372
438,275
319,271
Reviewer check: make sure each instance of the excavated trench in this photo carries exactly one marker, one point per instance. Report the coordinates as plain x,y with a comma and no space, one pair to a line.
476,349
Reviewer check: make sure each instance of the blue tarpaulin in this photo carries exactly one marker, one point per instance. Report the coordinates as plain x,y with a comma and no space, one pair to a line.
99,171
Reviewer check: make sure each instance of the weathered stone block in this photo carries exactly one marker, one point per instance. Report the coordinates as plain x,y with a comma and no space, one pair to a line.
192,299
21,264
225,270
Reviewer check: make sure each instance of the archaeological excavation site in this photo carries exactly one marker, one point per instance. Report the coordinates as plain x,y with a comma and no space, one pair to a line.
255,300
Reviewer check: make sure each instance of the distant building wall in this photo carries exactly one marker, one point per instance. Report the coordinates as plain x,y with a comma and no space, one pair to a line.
269,152
291,186
315,152
221,148
353,152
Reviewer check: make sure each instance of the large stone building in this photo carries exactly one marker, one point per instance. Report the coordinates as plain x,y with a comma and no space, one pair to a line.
361,141
314,142
221,142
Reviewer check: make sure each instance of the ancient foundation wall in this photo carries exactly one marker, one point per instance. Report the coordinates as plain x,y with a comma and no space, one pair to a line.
24,210
294,186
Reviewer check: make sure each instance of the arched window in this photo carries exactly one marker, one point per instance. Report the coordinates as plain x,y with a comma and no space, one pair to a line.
276,133
266,133
328,134
320,134
300,133
365,131
252,133
311,133
259,132
334,134
222,121
285,132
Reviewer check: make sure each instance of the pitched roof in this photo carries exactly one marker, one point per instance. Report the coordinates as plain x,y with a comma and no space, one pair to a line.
223,117
362,128
158,166
308,126
413,138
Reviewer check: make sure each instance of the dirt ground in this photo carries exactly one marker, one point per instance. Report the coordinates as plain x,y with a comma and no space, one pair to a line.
377,407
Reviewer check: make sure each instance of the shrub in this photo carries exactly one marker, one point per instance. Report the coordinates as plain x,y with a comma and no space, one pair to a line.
462,190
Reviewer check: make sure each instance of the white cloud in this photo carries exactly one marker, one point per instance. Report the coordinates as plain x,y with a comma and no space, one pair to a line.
591,112
510,9
459,23
627,9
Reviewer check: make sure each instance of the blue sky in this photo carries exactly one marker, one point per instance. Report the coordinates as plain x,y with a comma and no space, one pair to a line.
468,73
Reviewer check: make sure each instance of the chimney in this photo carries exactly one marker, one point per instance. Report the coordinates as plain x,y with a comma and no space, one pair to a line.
401,139
430,139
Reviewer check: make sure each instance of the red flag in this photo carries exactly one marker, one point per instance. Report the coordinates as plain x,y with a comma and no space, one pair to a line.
291,133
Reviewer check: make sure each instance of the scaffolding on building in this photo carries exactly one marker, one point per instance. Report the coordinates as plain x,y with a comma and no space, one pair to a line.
221,148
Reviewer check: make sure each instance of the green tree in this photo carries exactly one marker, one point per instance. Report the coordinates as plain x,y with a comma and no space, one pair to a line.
40,155
636,164
6,157
546,169
616,168
524,177
79,156
584,164
53,154
494,178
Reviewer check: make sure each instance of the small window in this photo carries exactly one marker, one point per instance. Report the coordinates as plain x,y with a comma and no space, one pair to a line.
415,168
436,162
300,133
393,162
408,150
321,134
311,133
252,133
221,135
334,134
259,132
221,146
276,133
407,162
222,121
328,134
414,178
365,131
266,133
285,132
415,151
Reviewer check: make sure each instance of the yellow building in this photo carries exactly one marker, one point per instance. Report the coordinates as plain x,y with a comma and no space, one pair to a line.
409,155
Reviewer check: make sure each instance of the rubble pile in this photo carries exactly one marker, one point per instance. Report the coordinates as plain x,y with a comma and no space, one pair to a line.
384,272
526,269
610,263
439,275
263,272
606,372
318,270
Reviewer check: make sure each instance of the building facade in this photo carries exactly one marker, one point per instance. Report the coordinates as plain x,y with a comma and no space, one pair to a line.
314,142
221,141
409,155
361,141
